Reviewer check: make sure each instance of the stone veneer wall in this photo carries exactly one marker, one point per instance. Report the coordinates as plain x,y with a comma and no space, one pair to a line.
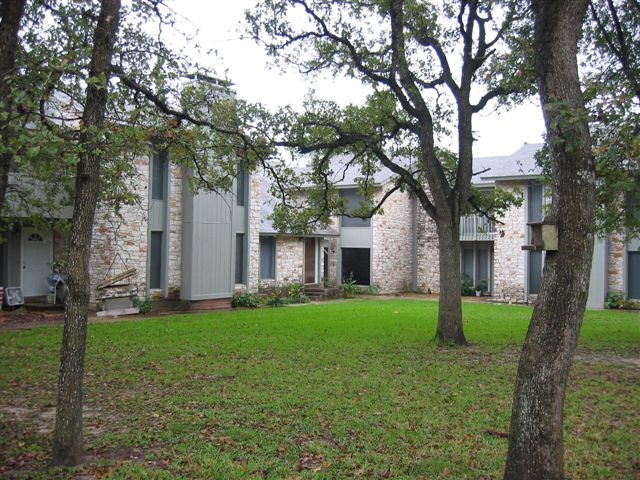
428,256
392,244
289,260
509,259
177,179
253,264
120,242
615,265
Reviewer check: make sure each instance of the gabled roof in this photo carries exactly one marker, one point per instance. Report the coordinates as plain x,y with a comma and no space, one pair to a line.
520,165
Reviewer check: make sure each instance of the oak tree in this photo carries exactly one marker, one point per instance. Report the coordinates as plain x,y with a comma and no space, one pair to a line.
431,67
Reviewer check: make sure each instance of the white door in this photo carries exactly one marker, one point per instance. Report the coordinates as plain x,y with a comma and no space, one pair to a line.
37,253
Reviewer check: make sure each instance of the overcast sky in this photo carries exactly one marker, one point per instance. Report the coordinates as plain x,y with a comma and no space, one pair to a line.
220,24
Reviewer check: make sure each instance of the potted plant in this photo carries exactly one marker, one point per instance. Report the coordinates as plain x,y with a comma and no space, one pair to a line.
481,288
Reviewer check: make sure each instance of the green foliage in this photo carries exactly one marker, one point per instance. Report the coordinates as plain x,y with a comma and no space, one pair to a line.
349,287
145,305
251,300
289,295
614,300
255,382
467,288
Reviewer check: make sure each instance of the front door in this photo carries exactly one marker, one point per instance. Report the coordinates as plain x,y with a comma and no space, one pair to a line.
37,254
309,260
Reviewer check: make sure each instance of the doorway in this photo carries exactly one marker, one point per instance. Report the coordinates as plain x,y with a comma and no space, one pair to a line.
310,254
37,254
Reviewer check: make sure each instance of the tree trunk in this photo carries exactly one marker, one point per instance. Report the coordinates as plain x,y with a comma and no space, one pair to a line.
536,435
449,330
68,433
11,12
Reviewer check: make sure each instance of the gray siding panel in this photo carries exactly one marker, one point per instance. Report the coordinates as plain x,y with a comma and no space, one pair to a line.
598,282
207,247
356,237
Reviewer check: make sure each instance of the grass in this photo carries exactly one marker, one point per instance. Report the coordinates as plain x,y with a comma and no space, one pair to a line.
352,389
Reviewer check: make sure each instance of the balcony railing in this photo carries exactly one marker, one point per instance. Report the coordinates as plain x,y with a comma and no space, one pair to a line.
476,228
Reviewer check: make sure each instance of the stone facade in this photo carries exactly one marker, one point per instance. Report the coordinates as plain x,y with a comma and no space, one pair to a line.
615,264
177,180
392,233
253,264
120,241
427,256
509,259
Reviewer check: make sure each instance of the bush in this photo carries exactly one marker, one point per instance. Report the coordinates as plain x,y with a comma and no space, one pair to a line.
614,300
144,306
251,300
349,287
466,288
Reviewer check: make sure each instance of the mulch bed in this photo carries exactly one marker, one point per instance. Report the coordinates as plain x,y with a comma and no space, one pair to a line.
23,317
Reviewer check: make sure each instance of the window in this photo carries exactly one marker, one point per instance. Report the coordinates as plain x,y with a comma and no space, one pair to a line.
535,260
633,275
267,257
476,264
356,263
239,277
158,175
352,201
241,184
155,260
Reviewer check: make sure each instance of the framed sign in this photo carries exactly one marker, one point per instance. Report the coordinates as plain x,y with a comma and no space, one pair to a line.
13,296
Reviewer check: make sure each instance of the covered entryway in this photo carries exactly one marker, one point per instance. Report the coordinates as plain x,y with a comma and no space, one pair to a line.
37,254
310,255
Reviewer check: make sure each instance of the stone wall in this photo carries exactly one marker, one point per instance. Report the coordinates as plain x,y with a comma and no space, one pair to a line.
509,259
177,178
616,265
120,241
289,260
253,264
428,257
392,244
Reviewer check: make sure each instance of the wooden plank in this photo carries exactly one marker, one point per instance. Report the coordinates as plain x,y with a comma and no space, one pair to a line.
116,278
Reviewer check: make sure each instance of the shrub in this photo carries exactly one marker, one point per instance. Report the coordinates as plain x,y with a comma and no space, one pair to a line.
251,300
144,306
466,288
349,287
614,300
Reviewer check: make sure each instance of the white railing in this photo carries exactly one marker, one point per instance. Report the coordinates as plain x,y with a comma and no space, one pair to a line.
476,228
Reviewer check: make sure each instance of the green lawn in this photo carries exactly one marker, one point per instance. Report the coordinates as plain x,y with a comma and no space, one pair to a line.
352,389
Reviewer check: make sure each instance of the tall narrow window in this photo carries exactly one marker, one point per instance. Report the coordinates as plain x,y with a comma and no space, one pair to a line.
534,259
633,274
352,201
155,260
241,186
267,257
158,175
239,258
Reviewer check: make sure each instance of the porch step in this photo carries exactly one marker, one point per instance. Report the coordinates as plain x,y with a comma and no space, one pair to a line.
315,292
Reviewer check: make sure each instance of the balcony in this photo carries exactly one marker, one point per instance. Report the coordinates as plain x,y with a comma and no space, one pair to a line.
475,228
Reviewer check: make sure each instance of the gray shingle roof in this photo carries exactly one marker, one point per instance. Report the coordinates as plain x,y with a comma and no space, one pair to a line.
520,164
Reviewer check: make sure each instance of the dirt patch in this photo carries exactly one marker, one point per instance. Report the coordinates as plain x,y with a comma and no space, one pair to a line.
26,318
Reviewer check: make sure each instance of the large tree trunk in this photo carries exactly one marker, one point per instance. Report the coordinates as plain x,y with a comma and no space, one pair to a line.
449,330
536,435
11,12
68,433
